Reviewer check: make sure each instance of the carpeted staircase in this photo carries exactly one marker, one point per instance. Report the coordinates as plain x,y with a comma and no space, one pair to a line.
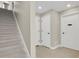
10,41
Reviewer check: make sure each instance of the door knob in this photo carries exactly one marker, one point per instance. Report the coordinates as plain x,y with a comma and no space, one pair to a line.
48,33
63,33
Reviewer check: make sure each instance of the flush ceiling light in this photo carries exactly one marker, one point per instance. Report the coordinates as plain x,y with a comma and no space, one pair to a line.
39,7
68,5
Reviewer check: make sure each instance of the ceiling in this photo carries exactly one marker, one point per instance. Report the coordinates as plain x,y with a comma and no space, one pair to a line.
55,5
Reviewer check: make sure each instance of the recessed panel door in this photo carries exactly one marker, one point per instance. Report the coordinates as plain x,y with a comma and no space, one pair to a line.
70,31
46,30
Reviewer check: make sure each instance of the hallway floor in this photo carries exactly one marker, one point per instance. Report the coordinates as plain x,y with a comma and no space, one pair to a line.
61,52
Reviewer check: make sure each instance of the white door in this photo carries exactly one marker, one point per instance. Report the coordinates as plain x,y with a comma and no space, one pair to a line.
70,31
46,30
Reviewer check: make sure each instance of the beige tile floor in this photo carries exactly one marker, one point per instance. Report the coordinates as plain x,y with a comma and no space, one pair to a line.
61,52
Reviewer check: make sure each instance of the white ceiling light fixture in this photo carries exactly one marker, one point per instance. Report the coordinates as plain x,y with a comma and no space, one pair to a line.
40,7
68,5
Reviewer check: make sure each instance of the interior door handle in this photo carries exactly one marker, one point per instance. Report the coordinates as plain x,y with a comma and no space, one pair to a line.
63,33
48,33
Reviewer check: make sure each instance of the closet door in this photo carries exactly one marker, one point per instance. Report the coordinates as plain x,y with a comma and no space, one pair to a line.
46,30
70,31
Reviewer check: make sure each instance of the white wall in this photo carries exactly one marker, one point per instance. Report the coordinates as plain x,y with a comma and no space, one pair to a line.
37,20
55,16
33,29
22,10
26,18
70,11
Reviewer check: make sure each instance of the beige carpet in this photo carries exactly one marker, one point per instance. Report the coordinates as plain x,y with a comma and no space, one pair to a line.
10,40
61,52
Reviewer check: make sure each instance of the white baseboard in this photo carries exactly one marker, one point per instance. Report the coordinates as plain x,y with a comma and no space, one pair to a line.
52,47
55,47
